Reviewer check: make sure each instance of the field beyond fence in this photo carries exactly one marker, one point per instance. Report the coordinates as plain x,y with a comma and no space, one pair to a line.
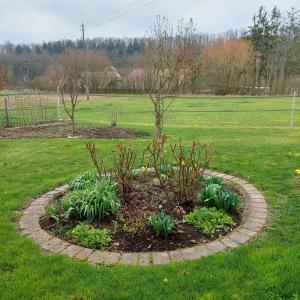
27,109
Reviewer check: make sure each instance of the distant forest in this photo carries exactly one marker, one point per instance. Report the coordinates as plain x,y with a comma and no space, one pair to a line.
262,59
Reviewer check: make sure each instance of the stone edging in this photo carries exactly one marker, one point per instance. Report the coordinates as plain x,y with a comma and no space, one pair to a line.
254,219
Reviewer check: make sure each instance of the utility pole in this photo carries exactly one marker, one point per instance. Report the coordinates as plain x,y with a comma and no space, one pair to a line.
87,90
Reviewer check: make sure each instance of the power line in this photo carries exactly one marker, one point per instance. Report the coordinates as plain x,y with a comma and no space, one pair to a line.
125,13
115,11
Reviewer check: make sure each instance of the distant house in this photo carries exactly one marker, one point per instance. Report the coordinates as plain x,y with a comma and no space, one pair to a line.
112,78
136,79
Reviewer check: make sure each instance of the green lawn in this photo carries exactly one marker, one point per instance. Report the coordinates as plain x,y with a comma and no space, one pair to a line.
258,146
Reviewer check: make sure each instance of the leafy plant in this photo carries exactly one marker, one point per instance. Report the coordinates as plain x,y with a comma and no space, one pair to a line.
135,173
90,237
210,191
214,195
163,224
214,180
209,219
129,229
53,211
84,181
93,203
166,169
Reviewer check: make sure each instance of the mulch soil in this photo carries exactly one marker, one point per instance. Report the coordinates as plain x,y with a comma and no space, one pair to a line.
134,232
63,130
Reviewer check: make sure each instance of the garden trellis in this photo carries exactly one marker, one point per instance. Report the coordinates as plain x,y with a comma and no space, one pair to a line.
28,109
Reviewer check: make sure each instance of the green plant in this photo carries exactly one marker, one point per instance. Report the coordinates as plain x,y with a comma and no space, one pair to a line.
213,180
129,229
93,203
166,169
135,173
209,219
214,195
114,226
163,224
60,229
210,191
84,181
53,211
90,237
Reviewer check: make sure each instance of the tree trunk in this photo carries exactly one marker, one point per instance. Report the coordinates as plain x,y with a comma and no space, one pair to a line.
158,128
158,119
73,126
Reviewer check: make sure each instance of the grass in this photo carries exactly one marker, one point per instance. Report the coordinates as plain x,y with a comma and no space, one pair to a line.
259,147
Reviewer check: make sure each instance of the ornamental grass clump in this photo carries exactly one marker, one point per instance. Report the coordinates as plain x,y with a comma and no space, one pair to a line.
93,203
162,224
214,195
209,219
213,180
84,181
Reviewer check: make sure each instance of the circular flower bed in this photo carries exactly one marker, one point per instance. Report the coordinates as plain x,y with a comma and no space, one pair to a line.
94,215
148,215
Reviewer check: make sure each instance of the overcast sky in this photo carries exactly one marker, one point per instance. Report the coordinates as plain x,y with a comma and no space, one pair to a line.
26,21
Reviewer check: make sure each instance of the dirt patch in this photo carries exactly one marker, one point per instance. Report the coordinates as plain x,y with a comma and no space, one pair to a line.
63,130
131,227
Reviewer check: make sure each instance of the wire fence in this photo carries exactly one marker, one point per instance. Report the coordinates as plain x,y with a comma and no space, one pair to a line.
27,109
33,108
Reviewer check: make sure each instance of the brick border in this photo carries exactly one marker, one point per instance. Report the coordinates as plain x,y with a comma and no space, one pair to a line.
254,219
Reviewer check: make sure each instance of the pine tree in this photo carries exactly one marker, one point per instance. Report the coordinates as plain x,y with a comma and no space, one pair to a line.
264,35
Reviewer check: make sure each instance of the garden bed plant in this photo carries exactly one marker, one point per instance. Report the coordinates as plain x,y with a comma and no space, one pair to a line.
164,204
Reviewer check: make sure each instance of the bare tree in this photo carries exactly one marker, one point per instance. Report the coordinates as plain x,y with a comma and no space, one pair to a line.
1,78
169,60
226,61
69,83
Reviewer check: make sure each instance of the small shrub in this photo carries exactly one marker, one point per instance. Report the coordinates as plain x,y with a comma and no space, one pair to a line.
84,181
190,163
123,161
209,219
214,195
93,203
90,237
112,113
163,224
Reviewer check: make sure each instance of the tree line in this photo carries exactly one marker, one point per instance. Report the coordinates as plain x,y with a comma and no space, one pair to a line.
264,59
